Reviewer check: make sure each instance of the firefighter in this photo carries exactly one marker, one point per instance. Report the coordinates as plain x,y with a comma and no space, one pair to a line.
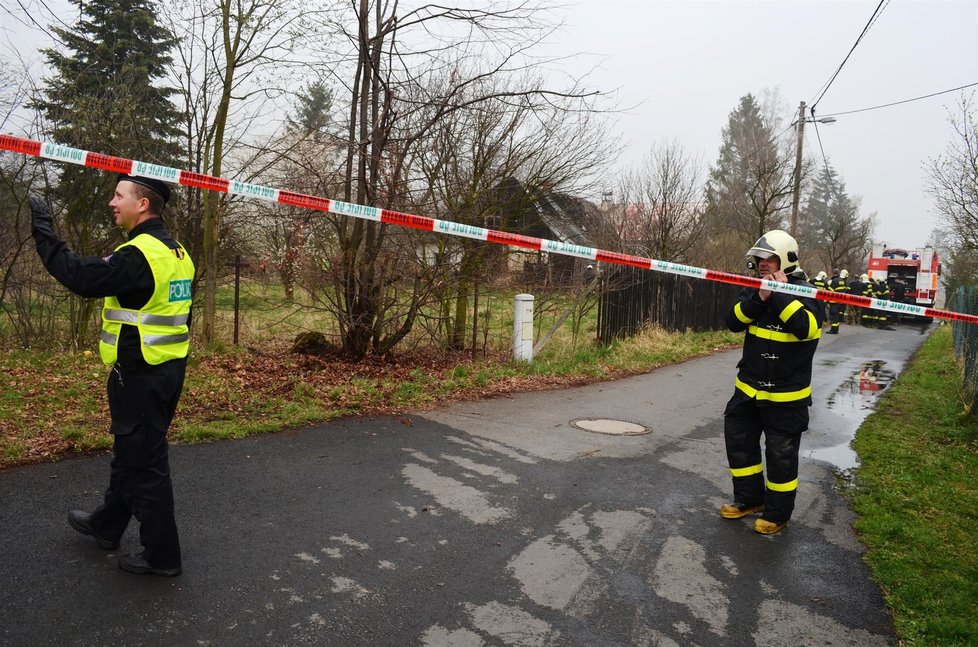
821,281
881,291
847,313
836,284
900,290
773,386
870,290
145,339
864,287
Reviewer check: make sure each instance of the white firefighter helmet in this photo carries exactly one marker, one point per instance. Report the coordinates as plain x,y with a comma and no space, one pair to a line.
777,243
821,276
844,274
864,278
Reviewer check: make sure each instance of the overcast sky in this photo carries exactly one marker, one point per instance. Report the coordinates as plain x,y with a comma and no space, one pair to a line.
687,64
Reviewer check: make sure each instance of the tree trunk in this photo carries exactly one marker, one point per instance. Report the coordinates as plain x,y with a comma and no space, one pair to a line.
360,293
457,339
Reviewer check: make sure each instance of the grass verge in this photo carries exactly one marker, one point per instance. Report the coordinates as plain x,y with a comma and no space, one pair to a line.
916,493
53,403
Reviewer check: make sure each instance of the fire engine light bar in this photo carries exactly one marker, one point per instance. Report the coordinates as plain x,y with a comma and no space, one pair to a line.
187,178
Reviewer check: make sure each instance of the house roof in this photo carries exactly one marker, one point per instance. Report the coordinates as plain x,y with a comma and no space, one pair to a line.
564,215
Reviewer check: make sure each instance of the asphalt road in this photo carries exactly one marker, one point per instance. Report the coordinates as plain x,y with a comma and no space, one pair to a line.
487,523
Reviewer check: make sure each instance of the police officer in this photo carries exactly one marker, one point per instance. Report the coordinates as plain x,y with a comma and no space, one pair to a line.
836,284
145,339
773,386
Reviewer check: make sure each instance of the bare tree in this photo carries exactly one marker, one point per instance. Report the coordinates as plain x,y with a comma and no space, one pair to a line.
393,110
306,158
473,151
235,60
954,178
661,213
953,184
29,298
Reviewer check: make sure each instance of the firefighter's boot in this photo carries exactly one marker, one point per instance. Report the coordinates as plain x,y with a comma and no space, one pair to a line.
738,510
768,527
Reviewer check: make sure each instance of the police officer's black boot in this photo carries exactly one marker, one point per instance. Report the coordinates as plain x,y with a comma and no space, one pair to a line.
82,522
136,563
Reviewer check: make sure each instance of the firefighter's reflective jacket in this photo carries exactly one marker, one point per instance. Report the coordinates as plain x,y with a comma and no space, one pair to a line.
838,284
880,289
781,336
862,288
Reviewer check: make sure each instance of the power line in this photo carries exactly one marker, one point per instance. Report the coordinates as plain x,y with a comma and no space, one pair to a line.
819,136
828,84
872,21
896,103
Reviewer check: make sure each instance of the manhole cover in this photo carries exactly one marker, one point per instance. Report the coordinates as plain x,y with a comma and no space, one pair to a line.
608,426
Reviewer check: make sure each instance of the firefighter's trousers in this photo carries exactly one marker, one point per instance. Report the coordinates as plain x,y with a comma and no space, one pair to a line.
835,317
744,422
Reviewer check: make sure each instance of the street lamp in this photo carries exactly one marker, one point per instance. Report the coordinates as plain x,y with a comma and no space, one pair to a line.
797,191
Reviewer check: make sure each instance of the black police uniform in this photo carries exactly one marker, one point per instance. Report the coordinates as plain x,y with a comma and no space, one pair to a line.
772,395
142,397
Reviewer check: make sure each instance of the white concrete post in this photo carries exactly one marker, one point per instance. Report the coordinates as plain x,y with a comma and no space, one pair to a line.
523,328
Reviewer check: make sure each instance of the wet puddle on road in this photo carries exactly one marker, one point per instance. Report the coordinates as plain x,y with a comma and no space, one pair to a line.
861,391
853,400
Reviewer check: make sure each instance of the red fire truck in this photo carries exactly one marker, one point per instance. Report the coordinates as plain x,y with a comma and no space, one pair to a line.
912,274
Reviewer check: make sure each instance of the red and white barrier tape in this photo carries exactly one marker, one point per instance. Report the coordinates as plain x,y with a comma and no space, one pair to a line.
211,183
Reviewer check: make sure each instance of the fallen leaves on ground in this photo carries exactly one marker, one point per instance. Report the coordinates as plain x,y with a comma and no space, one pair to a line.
53,408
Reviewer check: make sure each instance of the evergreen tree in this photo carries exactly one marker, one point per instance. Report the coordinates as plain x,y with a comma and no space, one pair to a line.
750,184
815,216
832,231
312,110
106,94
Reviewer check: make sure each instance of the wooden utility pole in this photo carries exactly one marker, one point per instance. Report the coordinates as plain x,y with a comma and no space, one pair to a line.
797,191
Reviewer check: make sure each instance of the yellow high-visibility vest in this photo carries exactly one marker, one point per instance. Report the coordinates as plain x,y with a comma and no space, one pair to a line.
162,322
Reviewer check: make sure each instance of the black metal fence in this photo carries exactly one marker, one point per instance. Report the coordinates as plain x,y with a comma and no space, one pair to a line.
965,300
632,298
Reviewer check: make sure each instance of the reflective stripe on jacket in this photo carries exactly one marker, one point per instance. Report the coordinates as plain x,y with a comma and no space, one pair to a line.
781,336
162,322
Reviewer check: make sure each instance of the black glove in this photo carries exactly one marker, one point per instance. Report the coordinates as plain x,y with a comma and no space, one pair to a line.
40,214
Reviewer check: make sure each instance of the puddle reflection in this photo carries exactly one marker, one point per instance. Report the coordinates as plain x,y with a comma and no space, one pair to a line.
856,395
861,390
